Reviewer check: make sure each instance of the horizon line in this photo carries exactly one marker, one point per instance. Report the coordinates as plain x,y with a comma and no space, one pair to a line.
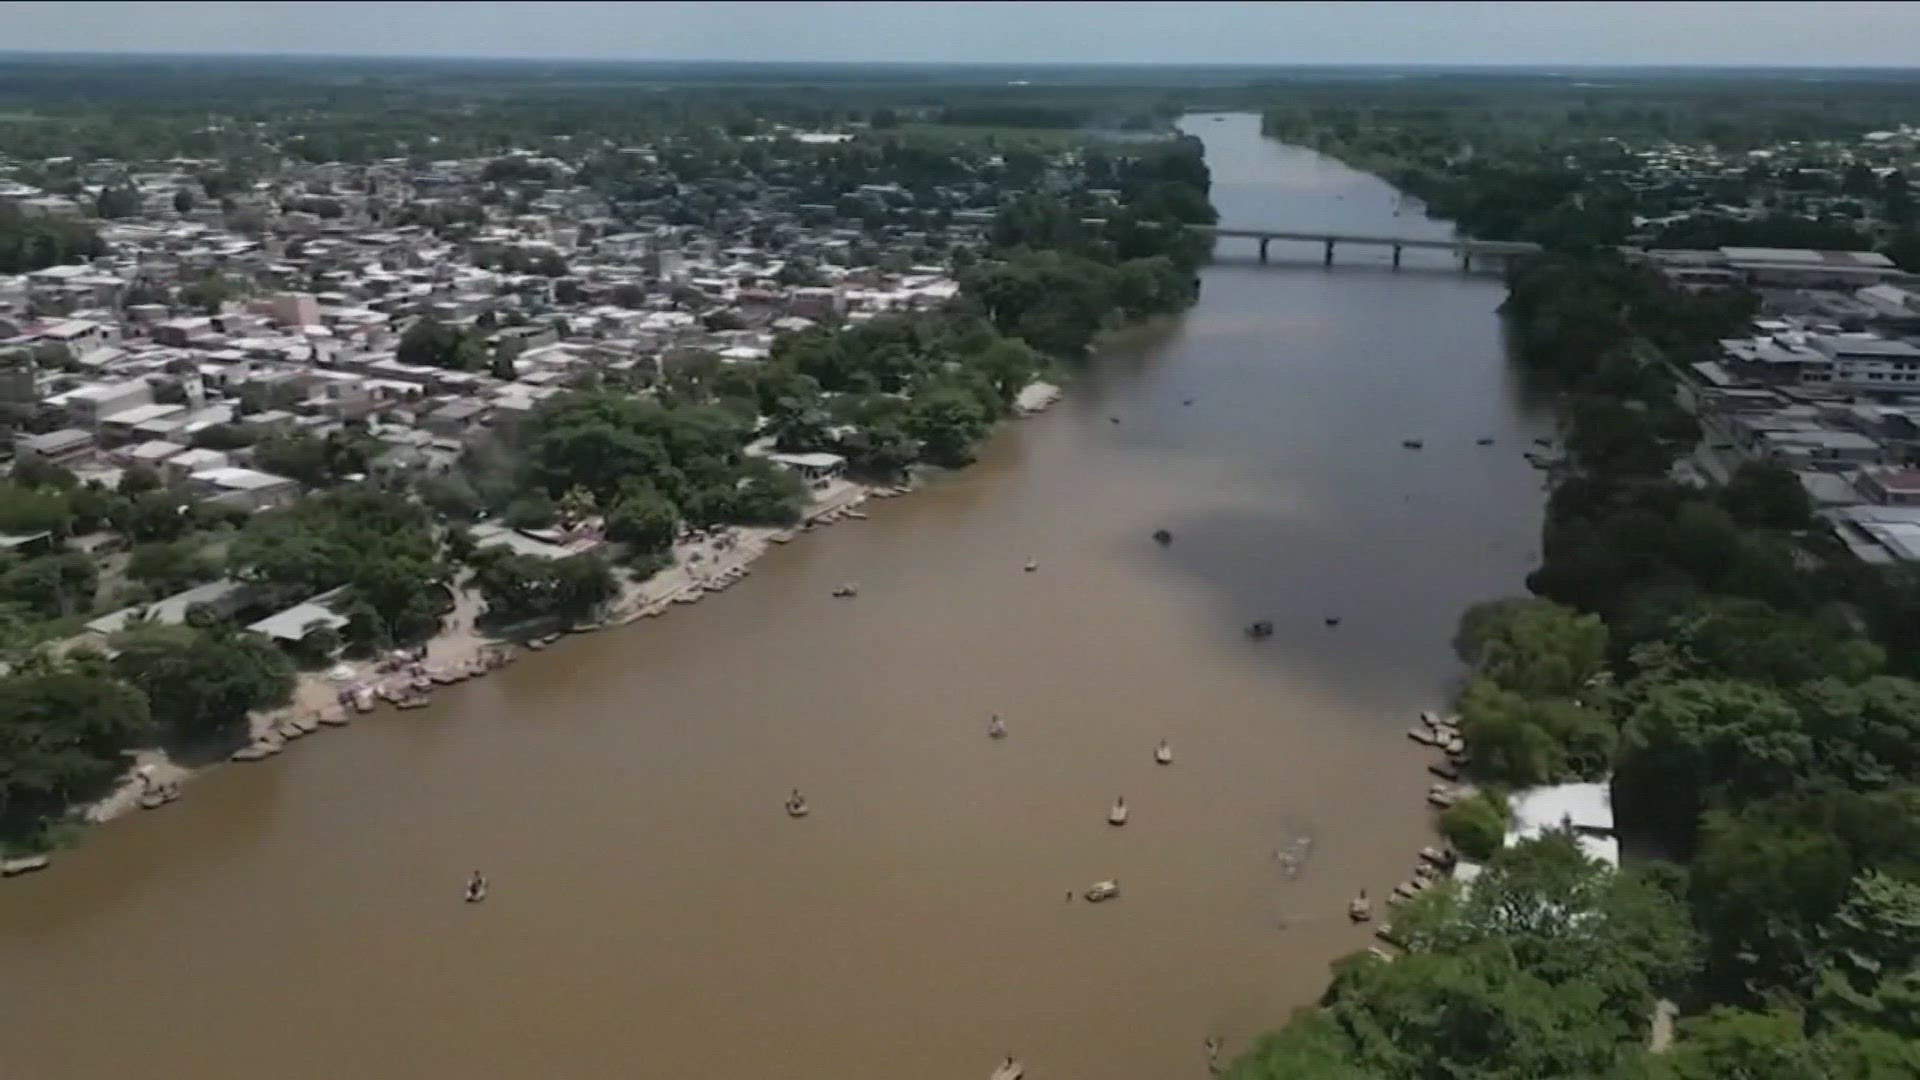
1512,65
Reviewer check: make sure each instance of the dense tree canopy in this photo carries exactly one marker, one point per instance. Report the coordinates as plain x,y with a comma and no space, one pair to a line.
61,733
37,241
202,683
379,545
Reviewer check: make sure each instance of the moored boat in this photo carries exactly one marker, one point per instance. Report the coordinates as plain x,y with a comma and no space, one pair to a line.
1103,890
1163,754
1118,814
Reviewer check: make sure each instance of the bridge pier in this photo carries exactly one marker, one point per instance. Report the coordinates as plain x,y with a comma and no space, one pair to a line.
1264,241
1396,256
1328,259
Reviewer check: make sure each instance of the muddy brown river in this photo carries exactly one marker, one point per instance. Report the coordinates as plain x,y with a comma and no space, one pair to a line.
654,913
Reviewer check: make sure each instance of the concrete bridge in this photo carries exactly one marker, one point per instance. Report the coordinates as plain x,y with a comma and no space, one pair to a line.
1464,247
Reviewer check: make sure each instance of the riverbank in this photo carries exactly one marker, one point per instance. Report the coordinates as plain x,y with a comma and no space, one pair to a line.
461,651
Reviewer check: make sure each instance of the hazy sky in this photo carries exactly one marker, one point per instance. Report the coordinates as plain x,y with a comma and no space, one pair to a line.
1650,32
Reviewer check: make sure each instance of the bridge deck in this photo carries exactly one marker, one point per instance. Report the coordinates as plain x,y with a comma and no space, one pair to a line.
1486,247
1457,243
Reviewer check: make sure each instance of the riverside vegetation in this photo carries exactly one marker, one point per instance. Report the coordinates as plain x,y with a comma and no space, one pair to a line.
1747,686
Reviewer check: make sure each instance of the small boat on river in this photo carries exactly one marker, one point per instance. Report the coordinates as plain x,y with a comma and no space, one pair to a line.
797,804
1163,754
1260,629
1483,442
1162,537
1118,814
1008,1070
846,590
1103,890
1412,444
996,727
1032,565
476,888
1360,909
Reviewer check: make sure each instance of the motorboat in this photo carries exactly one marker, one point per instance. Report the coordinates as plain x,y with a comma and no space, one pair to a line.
1483,441
1113,419
1163,754
1441,796
476,888
1032,565
996,727
1103,890
1162,537
1412,444
796,804
1008,1070
1118,814
846,589
1360,909
1332,620
1260,629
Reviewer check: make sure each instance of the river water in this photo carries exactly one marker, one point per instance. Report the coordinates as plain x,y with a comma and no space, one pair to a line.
654,912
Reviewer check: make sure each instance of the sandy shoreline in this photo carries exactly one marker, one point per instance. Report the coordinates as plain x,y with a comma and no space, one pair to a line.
460,651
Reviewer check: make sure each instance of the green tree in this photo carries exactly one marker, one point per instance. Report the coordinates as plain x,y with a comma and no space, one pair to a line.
1750,1046
170,567
117,201
1476,827
645,520
378,544
947,422
53,586
138,479
1531,645
1695,743
62,731
435,344
202,683
1567,919
1441,1015
1309,1045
